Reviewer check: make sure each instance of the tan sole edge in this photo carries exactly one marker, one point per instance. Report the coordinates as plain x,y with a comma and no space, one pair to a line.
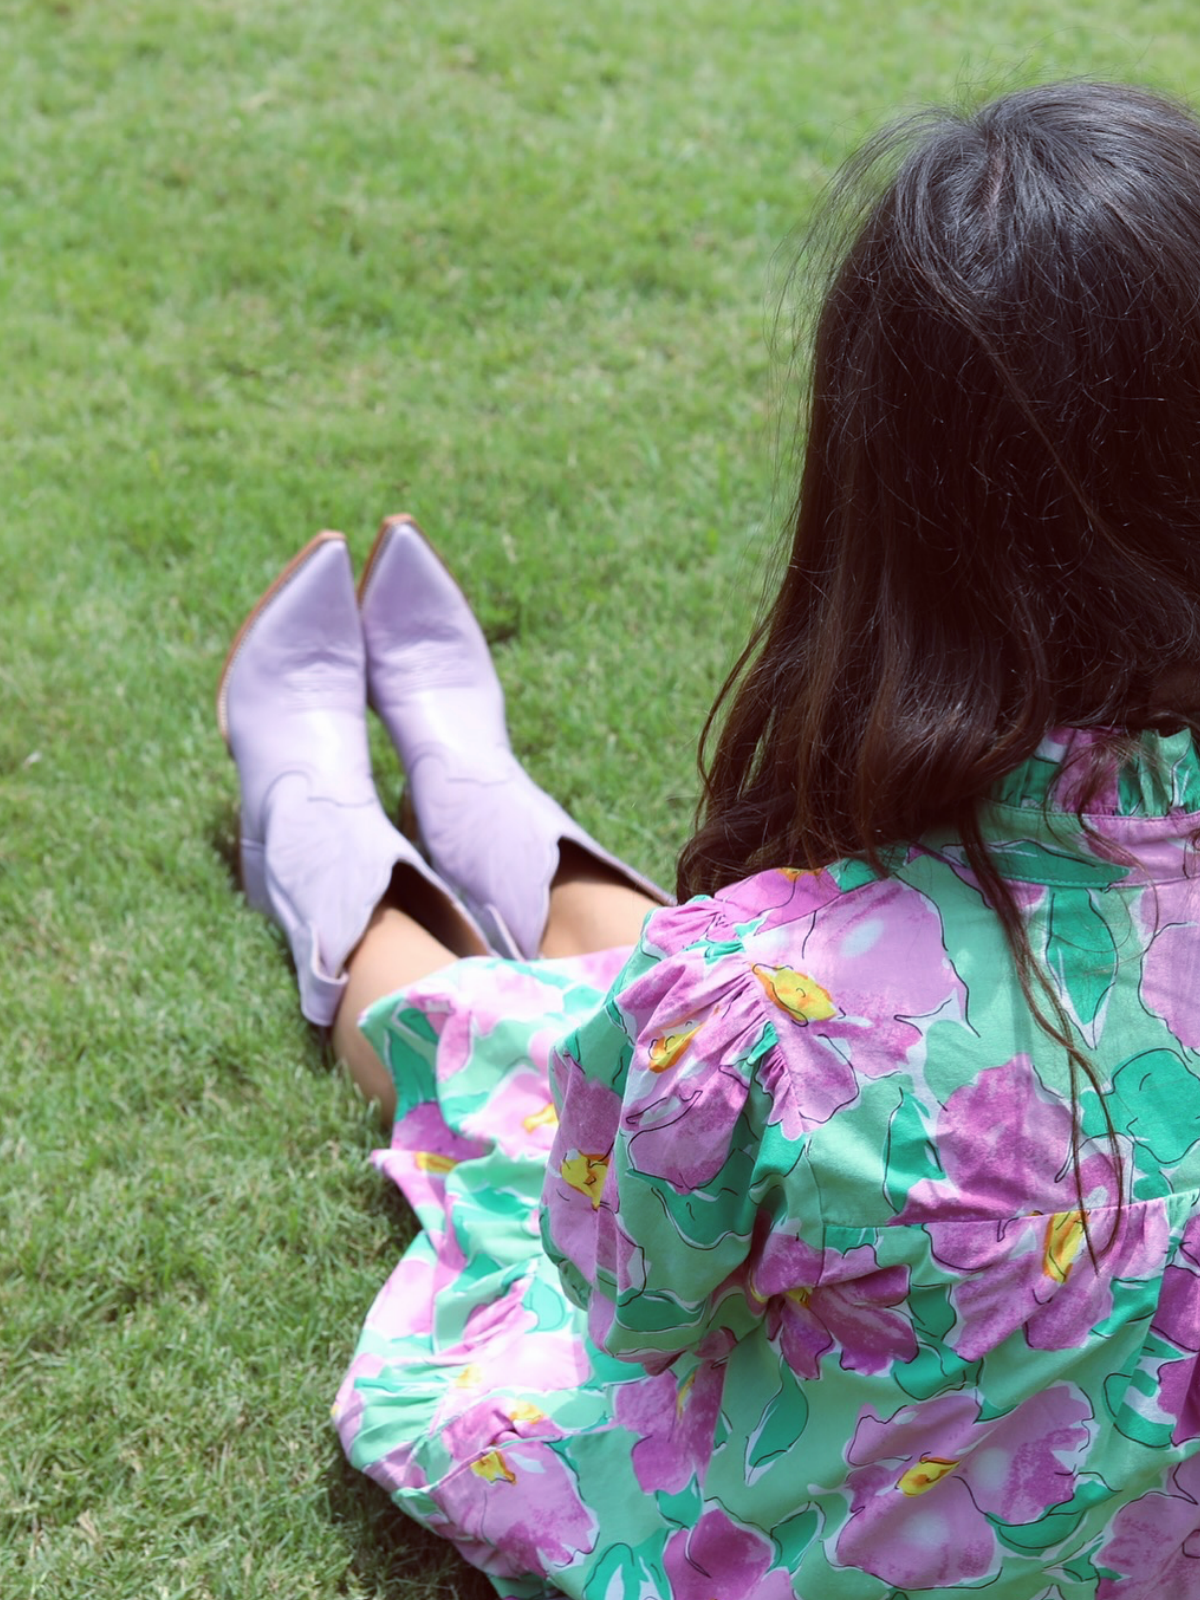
256,611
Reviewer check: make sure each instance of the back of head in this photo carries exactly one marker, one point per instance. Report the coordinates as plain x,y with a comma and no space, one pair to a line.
998,524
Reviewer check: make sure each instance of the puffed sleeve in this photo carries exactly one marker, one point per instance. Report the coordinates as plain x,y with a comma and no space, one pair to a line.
669,1165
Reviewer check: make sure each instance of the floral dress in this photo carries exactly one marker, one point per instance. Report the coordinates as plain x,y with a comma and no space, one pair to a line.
752,1261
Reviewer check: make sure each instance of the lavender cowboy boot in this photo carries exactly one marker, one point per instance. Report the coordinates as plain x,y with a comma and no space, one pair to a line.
484,824
317,851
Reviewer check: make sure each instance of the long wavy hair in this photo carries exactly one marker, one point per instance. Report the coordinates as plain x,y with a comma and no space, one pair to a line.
997,529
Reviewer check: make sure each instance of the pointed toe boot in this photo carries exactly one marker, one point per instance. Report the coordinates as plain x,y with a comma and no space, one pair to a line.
317,851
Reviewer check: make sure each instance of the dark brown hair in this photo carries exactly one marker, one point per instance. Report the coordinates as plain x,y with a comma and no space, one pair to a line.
997,529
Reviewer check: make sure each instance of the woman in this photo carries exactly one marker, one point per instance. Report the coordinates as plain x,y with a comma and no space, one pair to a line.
848,1246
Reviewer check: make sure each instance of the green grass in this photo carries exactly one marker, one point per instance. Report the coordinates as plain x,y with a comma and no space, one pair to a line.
267,267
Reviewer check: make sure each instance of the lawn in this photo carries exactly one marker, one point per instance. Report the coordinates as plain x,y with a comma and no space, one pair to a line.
513,267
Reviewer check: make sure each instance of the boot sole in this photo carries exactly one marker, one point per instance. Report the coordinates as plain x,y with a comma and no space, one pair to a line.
256,611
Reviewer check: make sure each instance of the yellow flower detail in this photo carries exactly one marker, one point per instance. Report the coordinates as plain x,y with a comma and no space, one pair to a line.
492,1467
547,1117
796,993
792,873
927,1474
587,1174
801,1296
685,1389
429,1161
470,1377
1064,1240
666,1050
525,1411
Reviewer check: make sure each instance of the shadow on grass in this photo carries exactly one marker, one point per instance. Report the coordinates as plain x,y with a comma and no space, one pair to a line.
222,834
393,1558
385,1200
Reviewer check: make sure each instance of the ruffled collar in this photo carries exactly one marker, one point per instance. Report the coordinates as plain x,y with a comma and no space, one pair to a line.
1094,808
1102,772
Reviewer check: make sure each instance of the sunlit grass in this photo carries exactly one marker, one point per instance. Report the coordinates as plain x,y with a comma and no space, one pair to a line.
265,268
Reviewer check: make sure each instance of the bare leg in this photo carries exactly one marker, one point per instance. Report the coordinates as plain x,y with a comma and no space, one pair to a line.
591,908
395,950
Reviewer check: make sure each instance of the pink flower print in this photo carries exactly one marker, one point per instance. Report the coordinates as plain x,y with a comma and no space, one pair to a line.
668,1047
503,1348
514,1505
519,1117
1170,913
805,1095
589,1111
778,898
577,1169
405,1303
1005,1149
598,969
683,1133
423,1151
797,1106
470,999
1155,1542
687,1086
687,1083
821,1299
675,1420
928,1478
409,1298
1179,1397
720,1557
872,975
1088,775
494,1422
424,1129
1035,1274
1178,1319
520,1501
